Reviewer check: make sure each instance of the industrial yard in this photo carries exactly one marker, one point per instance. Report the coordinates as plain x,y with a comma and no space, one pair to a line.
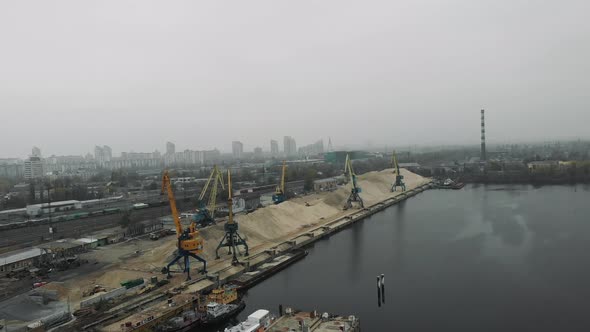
195,166
268,231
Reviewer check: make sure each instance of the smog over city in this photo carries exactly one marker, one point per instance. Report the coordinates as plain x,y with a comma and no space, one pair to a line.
294,166
135,75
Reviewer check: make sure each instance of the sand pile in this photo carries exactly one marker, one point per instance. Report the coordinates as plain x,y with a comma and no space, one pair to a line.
110,279
274,224
264,228
270,225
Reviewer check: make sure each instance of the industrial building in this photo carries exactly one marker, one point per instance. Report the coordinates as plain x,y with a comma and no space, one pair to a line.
144,227
328,184
19,259
35,210
412,167
28,258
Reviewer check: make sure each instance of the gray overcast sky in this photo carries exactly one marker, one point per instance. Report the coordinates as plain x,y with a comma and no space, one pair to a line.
134,74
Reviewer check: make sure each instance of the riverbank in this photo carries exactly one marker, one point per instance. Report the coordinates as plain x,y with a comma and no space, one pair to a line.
303,221
271,232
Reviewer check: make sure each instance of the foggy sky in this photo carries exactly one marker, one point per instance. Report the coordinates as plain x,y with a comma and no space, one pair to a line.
135,74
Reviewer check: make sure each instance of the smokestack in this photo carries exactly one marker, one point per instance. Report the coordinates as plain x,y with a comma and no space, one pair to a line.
483,136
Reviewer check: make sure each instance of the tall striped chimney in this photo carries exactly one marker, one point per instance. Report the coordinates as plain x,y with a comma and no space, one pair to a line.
483,136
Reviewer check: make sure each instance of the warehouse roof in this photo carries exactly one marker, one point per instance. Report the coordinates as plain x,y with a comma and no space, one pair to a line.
19,255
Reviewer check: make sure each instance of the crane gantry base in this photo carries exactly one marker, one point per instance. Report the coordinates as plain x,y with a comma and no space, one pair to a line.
232,240
354,197
186,255
399,182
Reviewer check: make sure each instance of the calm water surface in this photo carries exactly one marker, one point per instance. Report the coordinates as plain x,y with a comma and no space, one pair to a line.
492,258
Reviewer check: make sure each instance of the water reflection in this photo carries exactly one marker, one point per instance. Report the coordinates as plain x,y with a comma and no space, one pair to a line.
398,237
356,248
473,259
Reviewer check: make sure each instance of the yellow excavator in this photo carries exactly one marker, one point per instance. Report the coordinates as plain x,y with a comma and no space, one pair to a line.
190,243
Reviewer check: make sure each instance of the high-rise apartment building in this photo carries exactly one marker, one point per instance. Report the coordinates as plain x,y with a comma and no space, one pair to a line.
237,149
33,168
107,153
170,148
36,152
312,149
274,147
103,154
289,146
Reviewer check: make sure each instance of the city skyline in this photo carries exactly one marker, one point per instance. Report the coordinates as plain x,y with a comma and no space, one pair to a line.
249,148
404,74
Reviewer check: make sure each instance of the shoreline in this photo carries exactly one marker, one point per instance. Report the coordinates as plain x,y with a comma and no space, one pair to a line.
255,263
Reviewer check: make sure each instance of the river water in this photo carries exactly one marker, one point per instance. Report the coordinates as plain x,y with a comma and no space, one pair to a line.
491,258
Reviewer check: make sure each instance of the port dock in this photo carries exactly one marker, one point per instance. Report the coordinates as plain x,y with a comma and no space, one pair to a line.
314,322
253,269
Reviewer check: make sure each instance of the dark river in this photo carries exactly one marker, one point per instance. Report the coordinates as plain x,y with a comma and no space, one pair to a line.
492,258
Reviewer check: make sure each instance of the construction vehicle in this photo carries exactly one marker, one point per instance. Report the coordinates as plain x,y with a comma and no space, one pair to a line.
232,238
190,243
279,195
205,215
399,178
355,189
94,290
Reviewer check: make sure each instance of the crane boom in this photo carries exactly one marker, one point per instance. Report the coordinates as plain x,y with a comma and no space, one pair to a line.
206,209
230,200
348,168
218,179
395,164
166,186
283,177
280,194
204,191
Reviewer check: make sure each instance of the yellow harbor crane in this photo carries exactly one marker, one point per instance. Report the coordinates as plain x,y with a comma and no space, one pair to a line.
232,238
190,244
399,178
280,195
206,211
355,189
